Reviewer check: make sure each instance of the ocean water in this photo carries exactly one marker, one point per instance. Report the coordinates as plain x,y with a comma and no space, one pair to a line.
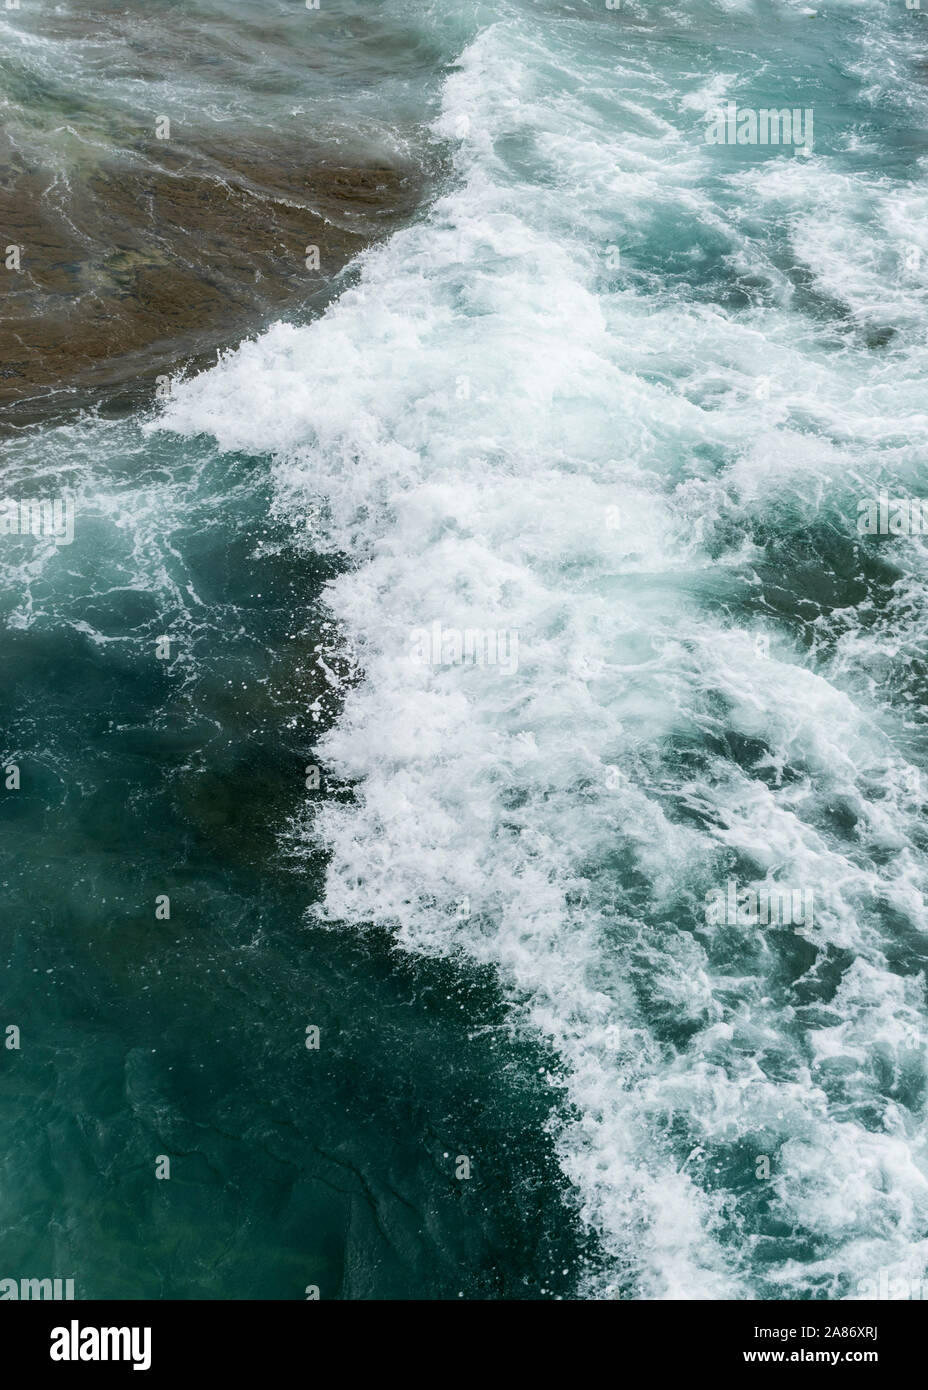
616,394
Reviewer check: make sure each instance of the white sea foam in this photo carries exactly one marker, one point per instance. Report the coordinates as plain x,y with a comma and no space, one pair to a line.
505,431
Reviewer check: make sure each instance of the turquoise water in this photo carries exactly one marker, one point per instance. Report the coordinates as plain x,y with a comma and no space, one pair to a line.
186,1037
615,391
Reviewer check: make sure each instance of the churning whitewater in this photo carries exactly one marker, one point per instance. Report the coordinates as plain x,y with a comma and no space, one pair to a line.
616,399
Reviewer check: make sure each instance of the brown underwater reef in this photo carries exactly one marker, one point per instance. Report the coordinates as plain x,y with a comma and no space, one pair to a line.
136,270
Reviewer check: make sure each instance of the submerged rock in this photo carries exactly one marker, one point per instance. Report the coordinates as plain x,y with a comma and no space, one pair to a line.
142,266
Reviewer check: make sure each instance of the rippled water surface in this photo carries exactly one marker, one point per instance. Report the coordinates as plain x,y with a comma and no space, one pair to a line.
566,372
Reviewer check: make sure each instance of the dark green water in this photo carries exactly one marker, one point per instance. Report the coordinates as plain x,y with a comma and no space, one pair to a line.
144,1037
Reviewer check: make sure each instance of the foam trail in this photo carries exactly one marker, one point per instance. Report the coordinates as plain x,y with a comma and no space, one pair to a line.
509,428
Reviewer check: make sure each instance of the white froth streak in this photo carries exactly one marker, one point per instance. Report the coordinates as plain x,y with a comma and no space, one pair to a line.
468,413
